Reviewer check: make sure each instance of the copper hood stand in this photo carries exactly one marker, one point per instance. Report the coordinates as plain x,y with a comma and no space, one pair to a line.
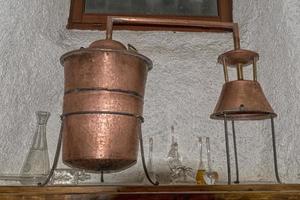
237,181
225,115
242,100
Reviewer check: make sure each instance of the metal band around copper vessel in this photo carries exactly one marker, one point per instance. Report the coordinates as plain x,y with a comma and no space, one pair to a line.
91,100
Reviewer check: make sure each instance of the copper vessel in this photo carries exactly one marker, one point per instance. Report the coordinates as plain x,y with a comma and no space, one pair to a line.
106,67
103,105
100,142
241,99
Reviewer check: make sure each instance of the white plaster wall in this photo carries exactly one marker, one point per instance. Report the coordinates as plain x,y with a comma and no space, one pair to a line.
182,88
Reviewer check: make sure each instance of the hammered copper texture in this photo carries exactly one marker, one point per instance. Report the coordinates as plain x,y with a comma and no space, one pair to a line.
103,101
105,69
100,142
243,100
99,81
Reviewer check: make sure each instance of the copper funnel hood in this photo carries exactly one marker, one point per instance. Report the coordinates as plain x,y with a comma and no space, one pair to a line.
241,99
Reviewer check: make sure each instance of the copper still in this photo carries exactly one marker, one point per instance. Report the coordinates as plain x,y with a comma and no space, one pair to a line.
103,101
103,105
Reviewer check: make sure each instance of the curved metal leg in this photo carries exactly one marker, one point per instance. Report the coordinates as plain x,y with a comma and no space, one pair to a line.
227,150
143,160
235,155
56,157
274,151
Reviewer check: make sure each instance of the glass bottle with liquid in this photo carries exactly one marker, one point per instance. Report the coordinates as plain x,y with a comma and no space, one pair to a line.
201,168
36,166
210,176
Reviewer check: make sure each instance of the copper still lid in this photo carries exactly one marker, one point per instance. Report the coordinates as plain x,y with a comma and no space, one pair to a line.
108,45
238,56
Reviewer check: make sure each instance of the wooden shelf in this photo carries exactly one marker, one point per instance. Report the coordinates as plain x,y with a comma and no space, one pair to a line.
216,192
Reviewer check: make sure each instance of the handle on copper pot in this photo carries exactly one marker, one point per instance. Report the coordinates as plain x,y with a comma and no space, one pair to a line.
111,20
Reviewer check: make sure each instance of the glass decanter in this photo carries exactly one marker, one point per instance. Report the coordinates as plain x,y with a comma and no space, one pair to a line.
201,169
210,176
68,176
36,166
174,158
179,173
150,168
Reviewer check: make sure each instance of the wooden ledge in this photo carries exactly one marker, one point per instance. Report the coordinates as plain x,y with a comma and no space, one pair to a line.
218,192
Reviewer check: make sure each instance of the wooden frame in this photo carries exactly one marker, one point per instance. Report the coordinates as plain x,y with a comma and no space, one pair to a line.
85,21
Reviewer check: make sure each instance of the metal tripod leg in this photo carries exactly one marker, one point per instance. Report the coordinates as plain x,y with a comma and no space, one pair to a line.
235,155
227,150
102,177
143,160
274,151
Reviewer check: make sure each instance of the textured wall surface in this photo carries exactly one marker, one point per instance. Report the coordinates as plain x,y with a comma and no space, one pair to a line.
182,88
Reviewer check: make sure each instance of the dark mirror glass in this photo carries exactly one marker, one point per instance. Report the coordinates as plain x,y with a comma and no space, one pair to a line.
153,7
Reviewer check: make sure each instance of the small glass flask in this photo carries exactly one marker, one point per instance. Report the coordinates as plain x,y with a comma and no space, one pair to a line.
69,176
36,166
150,168
201,169
210,176
174,158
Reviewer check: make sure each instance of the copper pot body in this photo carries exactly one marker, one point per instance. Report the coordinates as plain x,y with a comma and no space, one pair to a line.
243,100
103,106
103,142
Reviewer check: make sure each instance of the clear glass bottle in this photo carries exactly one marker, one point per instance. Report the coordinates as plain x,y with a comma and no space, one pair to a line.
36,166
174,158
68,176
201,168
210,176
150,167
